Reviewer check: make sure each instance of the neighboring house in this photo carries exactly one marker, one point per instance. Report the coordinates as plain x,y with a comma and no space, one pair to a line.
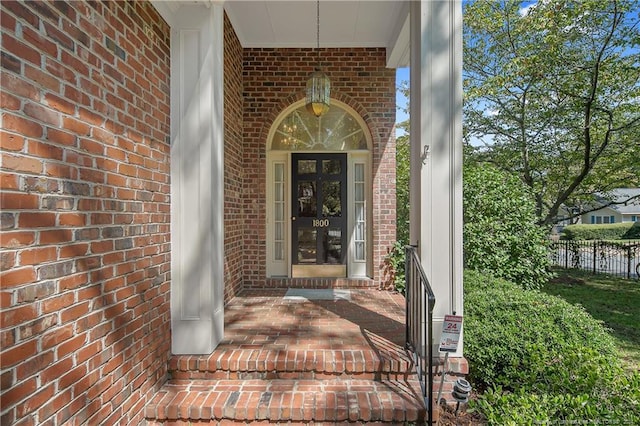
154,166
620,211
562,219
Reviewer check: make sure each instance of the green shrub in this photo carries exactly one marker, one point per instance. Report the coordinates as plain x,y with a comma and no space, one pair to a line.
618,404
611,231
394,266
500,232
633,233
540,359
516,337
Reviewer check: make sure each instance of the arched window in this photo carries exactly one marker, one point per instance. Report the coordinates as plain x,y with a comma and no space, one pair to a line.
337,130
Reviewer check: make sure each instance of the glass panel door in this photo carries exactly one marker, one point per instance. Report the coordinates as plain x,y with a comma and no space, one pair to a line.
319,215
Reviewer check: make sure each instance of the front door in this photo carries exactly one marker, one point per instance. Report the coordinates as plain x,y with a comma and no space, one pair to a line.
319,215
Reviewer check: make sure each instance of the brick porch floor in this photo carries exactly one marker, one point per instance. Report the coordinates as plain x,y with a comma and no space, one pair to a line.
298,361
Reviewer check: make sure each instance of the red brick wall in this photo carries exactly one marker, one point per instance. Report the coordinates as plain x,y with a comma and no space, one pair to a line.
273,79
233,166
85,211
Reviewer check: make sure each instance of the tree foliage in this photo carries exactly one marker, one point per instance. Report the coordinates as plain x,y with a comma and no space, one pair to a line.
553,91
402,188
500,233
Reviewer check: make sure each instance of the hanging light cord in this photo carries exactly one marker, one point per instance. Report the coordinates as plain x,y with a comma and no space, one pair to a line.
318,31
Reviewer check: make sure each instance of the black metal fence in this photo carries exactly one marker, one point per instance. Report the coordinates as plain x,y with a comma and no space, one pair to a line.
419,322
610,257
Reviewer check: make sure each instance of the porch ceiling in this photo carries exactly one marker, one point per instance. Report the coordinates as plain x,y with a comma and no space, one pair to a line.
346,23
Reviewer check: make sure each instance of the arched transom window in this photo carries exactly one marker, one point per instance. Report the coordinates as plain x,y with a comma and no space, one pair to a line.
337,130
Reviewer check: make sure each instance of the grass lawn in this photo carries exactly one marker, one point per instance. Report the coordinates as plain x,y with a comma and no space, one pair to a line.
613,300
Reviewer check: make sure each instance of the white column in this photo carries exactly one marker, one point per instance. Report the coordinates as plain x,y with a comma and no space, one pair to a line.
197,167
436,149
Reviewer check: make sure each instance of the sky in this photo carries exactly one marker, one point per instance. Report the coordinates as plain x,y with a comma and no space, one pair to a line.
402,74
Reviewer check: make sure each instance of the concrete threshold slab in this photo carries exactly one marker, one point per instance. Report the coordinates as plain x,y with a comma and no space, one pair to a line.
318,294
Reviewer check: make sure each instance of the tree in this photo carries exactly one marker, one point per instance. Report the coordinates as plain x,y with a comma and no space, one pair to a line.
552,93
402,184
500,233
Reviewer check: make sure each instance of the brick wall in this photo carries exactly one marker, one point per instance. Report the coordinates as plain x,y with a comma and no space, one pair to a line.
275,78
233,166
85,211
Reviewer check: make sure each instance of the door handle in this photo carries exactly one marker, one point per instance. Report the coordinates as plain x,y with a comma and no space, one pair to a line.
293,218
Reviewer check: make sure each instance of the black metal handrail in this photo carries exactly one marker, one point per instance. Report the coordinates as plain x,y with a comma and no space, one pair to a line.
420,301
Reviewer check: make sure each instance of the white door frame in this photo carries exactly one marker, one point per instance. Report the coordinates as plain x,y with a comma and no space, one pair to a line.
282,267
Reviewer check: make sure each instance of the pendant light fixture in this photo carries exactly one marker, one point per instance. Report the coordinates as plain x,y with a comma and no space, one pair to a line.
318,85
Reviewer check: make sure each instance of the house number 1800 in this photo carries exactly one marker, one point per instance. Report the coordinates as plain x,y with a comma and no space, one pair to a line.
320,223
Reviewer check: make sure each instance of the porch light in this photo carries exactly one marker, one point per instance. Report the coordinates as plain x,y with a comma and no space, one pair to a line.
318,86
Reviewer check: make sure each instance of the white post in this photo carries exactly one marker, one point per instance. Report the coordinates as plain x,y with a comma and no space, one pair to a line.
436,149
197,178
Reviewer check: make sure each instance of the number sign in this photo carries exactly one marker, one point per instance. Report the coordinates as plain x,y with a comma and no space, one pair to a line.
320,223
450,336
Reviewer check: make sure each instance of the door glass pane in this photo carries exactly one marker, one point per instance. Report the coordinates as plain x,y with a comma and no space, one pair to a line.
332,243
279,172
359,212
359,232
331,167
307,245
278,236
331,206
360,223
306,166
307,199
279,250
359,195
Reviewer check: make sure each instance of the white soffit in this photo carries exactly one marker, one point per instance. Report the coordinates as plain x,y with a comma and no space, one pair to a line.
292,23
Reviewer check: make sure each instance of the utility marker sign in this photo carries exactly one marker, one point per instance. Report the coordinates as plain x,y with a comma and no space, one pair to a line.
450,336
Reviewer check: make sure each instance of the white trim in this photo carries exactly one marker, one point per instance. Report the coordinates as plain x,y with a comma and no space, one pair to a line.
357,268
276,268
398,49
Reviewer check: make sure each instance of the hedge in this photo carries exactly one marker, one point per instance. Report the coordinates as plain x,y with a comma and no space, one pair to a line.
536,359
613,231
516,337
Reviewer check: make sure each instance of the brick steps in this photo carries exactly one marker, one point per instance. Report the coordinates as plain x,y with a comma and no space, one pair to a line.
277,401
292,364
297,363
283,386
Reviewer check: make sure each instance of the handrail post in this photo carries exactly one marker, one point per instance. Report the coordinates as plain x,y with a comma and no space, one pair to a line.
420,301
